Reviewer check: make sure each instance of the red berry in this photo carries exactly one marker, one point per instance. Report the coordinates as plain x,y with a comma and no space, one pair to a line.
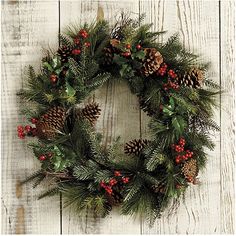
126,54
20,128
76,41
53,79
125,180
28,128
113,182
117,173
184,157
42,158
177,148
21,135
87,44
76,51
83,33
177,160
108,189
128,46
34,120
138,46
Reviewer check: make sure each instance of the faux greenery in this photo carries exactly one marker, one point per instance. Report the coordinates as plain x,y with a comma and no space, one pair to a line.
79,165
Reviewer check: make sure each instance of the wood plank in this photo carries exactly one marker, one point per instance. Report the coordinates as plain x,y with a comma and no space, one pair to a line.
120,114
227,117
199,31
27,26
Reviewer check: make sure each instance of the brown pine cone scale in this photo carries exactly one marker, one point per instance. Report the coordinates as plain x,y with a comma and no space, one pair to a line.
51,122
135,146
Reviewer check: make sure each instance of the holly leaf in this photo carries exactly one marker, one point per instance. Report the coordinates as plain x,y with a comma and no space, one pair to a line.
179,124
167,111
47,66
139,54
69,90
172,103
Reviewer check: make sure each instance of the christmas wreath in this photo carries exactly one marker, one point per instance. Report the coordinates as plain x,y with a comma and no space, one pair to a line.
172,86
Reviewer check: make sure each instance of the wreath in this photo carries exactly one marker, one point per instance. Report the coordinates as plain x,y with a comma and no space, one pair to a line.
144,176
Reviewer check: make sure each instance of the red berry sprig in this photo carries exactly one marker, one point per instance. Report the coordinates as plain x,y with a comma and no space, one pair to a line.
76,51
114,181
162,70
172,74
83,33
126,54
21,132
170,85
183,155
117,173
34,120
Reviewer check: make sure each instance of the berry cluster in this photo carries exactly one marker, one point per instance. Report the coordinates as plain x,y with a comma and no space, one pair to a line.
45,156
170,85
114,181
182,155
172,74
162,70
27,130
83,34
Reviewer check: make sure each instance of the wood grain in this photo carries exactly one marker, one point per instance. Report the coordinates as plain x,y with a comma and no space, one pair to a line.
227,168
205,27
27,26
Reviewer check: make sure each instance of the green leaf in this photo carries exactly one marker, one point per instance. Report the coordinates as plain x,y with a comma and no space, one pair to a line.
48,66
69,90
167,111
139,54
179,124
172,104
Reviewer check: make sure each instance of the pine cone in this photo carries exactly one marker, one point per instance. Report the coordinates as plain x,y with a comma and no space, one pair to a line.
135,146
152,61
51,122
108,56
91,112
145,106
64,52
190,170
159,188
192,78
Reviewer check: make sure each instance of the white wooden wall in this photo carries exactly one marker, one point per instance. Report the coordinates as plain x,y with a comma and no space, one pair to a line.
205,27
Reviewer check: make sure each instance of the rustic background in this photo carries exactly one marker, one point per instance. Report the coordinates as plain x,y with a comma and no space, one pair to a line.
205,27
